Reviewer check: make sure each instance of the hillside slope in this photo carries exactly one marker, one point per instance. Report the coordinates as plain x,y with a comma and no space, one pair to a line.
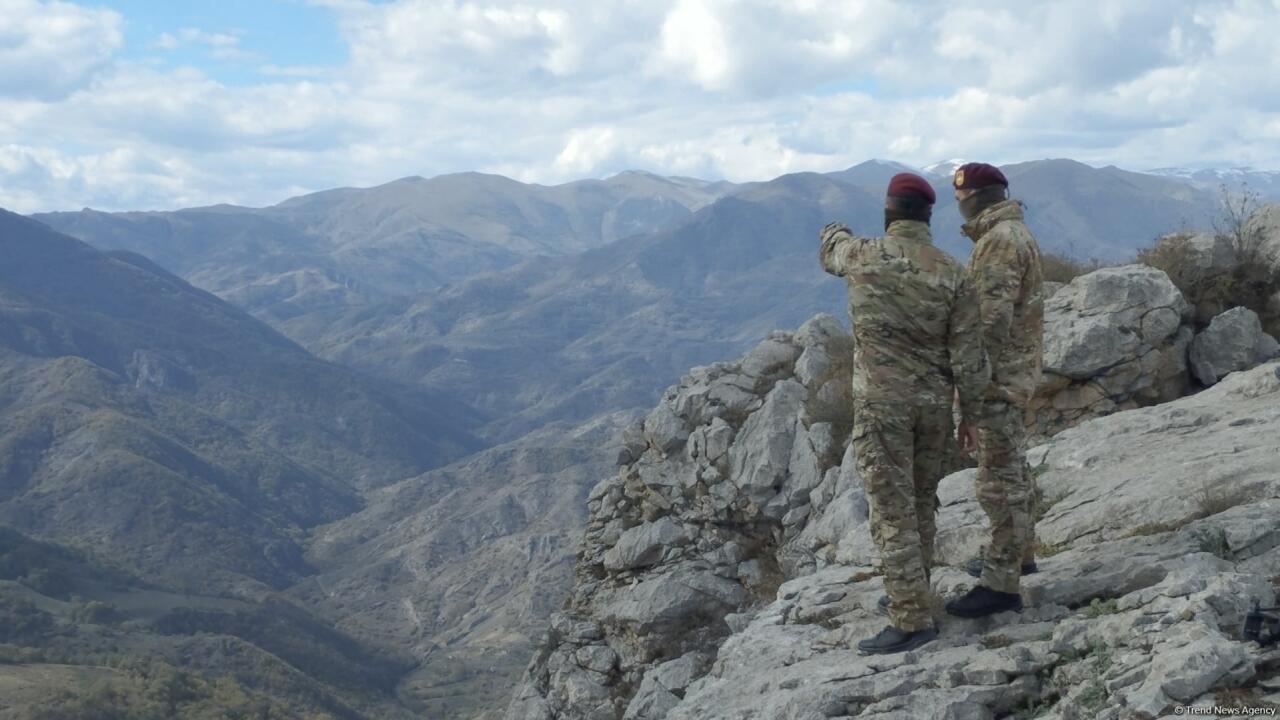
154,419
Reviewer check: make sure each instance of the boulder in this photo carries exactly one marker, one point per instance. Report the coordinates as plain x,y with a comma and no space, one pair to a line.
1114,339
1108,317
644,544
1262,230
670,605
761,452
664,429
1233,341
772,357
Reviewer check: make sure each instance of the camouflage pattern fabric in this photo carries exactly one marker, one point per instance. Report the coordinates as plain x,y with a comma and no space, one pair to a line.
1005,268
918,340
900,449
1004,491
1006,271
916,322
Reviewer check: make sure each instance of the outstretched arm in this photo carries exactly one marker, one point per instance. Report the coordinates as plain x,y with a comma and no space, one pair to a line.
834,249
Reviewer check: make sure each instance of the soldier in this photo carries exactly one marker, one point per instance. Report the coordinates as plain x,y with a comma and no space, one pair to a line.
1004,267
918,340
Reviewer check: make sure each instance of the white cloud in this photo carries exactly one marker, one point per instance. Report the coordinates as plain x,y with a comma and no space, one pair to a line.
50,49
693,42
550,90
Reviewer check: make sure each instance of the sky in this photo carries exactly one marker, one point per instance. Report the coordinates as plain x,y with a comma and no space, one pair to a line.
133,104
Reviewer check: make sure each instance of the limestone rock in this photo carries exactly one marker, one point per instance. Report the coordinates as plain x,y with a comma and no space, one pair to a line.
643,544
761,453
1114,339
1263,228
1233,341
1100,320
730,581
664,429
771,357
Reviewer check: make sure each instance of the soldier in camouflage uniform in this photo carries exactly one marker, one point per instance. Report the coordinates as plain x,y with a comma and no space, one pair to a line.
1005,269
918,340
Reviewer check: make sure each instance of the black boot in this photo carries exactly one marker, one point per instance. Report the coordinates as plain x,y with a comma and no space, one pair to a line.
983,601
882,605
893,640
975,567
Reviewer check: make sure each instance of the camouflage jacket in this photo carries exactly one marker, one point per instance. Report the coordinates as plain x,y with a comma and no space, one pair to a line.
1005,269
916,323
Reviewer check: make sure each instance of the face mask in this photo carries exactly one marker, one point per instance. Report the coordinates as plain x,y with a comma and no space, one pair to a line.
971,206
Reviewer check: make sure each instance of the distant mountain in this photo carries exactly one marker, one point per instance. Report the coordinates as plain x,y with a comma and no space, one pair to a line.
565,338
568,338
145,416
347,247
1073,209
1263,182
1105,213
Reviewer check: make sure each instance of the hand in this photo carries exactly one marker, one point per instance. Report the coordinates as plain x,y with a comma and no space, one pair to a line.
967,437
830,228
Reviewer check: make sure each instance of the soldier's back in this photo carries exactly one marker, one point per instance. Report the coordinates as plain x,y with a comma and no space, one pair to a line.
902,293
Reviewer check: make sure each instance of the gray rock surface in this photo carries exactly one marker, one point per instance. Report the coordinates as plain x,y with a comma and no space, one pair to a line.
1233,341
1263,231
1159,528
1114,339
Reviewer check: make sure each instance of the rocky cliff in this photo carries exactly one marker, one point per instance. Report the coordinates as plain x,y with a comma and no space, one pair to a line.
727,568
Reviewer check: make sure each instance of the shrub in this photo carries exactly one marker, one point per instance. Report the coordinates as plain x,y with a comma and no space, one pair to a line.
95,612
1063,268
1248,284
1099,607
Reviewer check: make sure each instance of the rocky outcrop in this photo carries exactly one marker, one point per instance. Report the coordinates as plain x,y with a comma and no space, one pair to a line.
1159,531
712,484
1233,341
727,568
1114,339
1261,235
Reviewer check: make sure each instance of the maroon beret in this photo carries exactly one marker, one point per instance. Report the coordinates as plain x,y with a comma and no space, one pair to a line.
977,175
911,185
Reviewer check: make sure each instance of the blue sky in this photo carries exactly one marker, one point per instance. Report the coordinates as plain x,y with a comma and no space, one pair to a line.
281,33
129,104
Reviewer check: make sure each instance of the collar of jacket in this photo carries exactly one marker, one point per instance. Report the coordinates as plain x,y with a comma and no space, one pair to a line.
910,230
987,219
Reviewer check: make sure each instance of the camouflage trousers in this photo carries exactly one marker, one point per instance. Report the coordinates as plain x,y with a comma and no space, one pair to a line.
900,450
1006,491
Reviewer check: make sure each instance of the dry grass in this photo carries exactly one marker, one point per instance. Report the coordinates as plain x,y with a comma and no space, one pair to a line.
1213,499
1241,699
992,642
1062,268
1044,550
1157,528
